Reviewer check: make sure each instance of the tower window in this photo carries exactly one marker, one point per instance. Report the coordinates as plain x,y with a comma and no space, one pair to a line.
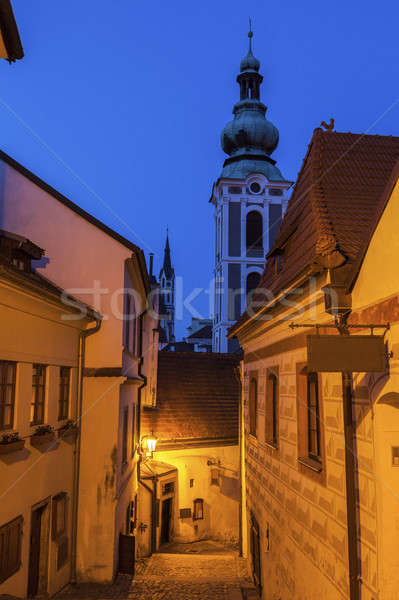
255,187
234,189
254,232
252,283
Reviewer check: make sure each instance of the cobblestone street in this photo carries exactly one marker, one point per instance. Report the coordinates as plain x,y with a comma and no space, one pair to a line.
174,577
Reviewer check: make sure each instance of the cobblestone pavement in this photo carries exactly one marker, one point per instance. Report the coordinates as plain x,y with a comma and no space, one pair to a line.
173,577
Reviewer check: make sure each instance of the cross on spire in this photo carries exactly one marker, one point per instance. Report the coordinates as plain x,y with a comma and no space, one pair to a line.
250,35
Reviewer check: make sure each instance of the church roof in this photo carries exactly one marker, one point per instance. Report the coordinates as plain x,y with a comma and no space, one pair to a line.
332,209
167,268
197,398
204,333
249,138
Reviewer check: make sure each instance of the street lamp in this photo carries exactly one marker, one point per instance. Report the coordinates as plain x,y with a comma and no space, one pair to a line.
148,445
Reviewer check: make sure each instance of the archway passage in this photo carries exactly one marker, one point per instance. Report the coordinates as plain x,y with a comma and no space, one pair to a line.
252,283
254,231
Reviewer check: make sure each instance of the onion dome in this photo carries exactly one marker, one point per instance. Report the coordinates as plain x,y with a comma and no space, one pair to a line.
249,138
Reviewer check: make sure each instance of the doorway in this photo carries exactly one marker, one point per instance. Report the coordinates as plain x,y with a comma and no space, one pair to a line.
255,552
166,520
38,554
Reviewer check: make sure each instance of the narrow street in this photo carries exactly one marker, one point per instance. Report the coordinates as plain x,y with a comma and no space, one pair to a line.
188,576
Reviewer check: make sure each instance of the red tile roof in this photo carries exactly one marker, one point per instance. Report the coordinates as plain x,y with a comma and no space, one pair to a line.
197,398
332,209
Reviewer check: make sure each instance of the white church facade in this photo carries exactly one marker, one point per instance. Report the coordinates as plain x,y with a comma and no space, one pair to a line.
249,199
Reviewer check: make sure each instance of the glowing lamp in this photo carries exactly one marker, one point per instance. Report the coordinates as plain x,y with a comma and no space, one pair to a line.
149,444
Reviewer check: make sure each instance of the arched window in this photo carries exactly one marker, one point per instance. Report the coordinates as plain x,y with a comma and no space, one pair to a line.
252,283
254,233
253,405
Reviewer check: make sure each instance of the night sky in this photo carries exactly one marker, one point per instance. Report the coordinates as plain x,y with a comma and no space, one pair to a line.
119,105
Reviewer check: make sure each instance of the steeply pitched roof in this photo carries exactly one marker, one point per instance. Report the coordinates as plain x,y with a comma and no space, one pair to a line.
332,209
9,32
197,398
204,333
167,268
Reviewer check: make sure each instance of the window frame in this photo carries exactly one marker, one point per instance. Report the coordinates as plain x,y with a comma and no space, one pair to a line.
59,503
64,393
7,569
38,389
272,401
309,463
253,404
4,385
198,509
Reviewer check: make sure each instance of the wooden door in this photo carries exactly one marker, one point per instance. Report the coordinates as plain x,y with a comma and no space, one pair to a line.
127,545
166,518
34,556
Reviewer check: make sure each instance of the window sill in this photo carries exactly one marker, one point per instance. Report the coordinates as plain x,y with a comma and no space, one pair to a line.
311,463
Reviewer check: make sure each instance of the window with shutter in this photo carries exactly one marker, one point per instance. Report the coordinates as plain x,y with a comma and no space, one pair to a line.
310,422
10,548
7,393
253,404
271,406
38,394
59,516
63,404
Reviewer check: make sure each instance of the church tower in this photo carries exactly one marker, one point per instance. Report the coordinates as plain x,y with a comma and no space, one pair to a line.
249,199
167,295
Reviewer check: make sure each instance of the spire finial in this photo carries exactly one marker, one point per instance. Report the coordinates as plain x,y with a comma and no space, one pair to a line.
250,35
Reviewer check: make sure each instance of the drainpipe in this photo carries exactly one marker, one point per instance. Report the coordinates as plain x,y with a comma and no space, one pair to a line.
76,467
351,487
350,472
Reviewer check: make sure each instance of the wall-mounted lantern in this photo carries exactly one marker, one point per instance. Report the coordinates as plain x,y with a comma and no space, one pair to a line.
148,445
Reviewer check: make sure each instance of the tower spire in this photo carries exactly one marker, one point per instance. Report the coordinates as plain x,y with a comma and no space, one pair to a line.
250,35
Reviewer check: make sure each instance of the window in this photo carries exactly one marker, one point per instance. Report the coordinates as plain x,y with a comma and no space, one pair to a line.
59,515
62,553
254,231
252,283
234,189
38,394
124,433
10,548
313,417
255,187
271,425
168,488
7,393
63,405
253,405
310,421
198,512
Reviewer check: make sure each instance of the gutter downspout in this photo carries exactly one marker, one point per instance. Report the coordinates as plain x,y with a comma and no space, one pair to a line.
350,473
76,468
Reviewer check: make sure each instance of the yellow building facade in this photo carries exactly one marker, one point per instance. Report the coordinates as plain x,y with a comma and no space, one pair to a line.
329,259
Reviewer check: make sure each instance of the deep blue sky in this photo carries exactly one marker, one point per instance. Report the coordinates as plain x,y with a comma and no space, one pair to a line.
132,96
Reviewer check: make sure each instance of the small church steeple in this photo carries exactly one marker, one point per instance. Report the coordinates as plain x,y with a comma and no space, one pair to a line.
167,294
